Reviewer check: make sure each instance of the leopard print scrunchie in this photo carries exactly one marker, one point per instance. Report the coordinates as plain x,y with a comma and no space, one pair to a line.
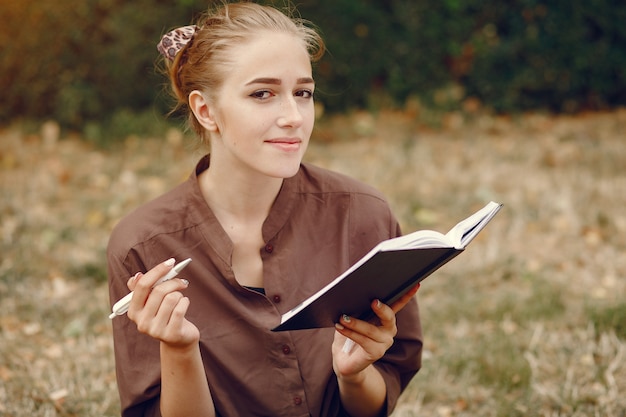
172,42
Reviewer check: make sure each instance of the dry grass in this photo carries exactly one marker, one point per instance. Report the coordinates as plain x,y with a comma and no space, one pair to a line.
531,321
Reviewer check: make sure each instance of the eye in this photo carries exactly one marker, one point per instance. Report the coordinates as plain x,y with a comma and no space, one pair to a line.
261,94
304,93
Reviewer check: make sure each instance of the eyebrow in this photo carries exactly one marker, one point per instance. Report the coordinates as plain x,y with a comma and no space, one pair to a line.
276,81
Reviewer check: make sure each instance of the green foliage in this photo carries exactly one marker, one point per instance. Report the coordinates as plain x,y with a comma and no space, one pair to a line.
564,55
81,60
609,318
124,122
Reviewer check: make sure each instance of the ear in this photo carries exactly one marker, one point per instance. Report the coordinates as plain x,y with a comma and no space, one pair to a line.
203,110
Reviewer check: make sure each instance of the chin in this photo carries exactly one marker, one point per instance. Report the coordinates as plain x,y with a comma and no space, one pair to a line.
287,173
285,170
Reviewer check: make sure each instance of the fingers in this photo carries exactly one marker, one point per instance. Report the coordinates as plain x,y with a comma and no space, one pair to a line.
159,308
179,311
144,282
162,298
132,281
387,314
375,339
404,300
147,298
141,284
158,311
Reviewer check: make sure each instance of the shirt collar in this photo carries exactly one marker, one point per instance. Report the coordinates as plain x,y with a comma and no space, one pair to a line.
277,218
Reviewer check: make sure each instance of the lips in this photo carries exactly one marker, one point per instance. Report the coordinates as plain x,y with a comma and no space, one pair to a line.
286,144
288,141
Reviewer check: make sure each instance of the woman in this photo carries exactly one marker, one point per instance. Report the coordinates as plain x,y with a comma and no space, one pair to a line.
264,231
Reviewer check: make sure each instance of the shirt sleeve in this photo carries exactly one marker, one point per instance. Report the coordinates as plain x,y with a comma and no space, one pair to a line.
403,360
373,222
137,360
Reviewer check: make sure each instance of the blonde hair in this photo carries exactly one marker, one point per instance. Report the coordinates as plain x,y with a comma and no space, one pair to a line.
201,64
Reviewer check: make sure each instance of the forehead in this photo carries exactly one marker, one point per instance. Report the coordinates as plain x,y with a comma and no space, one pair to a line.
269,54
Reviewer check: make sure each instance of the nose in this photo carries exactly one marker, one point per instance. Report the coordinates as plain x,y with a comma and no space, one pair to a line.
290,113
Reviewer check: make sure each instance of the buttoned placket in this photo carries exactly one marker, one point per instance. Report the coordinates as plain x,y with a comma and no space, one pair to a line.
287,356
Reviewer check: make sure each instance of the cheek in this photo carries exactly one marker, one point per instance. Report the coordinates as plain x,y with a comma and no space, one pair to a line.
310,120
246,130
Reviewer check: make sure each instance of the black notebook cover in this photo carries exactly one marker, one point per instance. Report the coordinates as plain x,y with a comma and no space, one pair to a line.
386,276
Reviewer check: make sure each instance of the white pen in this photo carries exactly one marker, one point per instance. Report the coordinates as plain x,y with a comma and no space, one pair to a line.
347,346
121,306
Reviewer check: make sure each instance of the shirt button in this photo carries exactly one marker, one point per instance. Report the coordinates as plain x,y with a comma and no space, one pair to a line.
297,400
269,248
276,298
286,349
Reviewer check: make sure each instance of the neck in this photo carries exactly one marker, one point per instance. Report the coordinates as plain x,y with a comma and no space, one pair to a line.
239,197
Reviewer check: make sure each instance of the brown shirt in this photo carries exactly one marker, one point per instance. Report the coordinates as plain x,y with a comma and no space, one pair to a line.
320,223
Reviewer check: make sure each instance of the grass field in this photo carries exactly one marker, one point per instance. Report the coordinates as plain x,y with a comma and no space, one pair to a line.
530,321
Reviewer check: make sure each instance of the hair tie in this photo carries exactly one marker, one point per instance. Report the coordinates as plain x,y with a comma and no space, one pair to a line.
172,42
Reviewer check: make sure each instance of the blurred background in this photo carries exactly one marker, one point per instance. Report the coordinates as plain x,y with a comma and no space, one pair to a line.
90,63
442,105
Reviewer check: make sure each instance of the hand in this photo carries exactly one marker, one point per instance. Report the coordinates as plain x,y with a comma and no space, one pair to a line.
160,311
371,340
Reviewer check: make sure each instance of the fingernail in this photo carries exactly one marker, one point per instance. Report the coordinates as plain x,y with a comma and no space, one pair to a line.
338,326
134,277
346,318
378,304
185,282
169,262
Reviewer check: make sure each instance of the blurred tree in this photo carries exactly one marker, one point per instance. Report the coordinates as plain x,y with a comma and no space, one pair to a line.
561,54
78,60
83,60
